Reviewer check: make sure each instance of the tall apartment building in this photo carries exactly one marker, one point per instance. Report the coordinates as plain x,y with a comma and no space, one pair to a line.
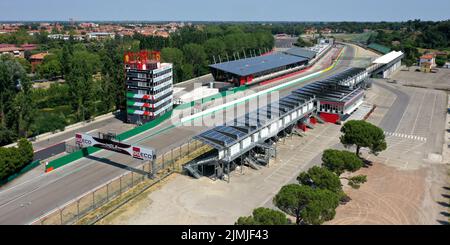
149,86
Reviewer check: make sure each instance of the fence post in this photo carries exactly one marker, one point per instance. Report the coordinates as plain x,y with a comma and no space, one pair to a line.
120,185
93,199
60,217
78,209
173,161
188,148
107,192
162,161
132,179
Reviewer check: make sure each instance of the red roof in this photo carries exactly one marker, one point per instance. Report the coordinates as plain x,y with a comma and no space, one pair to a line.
39,56
427,56
6,45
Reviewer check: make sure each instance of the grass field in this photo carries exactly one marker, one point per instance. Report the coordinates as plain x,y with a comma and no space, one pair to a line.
354,37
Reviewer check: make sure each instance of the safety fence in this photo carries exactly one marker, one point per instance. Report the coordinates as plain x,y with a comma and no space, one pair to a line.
100,201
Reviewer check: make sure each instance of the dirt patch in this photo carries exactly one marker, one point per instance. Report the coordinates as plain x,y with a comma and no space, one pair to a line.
392,196
137,203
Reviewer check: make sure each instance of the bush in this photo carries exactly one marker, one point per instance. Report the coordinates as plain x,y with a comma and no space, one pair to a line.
15,158
49,122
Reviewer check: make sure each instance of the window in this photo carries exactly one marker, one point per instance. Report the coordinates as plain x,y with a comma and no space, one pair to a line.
142,75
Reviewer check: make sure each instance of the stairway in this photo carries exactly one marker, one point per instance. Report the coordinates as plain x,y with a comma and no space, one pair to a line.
309,125
251,162
319,119
192,171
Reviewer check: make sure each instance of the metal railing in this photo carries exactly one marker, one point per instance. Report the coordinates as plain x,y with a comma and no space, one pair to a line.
76,209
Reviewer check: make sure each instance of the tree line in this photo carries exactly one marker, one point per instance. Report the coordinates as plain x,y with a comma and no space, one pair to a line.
192,49
92,84
92,73
412,35
314,199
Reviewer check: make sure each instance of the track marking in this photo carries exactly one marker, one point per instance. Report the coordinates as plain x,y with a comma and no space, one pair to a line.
406,136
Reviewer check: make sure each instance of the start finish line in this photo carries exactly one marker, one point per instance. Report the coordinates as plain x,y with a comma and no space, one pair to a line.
108,143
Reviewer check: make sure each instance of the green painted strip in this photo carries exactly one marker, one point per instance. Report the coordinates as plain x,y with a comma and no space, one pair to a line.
130,95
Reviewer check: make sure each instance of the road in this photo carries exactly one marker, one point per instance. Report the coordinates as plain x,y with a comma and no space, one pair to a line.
390,122
24,203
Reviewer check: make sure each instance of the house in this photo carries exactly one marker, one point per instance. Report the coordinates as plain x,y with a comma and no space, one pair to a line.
28,46
100,35
310,31
13,50
326,31
37,59
427,62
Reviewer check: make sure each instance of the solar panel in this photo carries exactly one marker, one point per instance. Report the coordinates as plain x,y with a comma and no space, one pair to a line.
217,137
230,131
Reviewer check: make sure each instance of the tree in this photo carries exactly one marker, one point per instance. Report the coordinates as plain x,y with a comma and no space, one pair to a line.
16,106
320,177
341,161
363,134
25,64
83,66
66,55
303,43
49,123
356,181
321,208
188,71
306,204
440,60
50,67
13,159
214,48
264,216
195,55
175,56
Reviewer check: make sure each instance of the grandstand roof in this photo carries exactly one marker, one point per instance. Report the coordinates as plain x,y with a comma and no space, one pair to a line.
306,53
388,57
248,66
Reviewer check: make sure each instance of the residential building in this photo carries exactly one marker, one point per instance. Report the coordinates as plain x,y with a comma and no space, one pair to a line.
37,59
14,51
100,35
427,62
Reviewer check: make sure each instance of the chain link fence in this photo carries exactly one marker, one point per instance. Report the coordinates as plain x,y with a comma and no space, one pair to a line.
169,162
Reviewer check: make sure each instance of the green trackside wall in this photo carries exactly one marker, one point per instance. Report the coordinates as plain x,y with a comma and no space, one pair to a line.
90,150
22,171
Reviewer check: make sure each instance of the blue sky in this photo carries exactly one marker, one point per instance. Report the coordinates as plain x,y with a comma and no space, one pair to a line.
225,10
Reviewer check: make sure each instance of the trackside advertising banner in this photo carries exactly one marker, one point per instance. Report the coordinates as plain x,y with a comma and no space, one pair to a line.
85,140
